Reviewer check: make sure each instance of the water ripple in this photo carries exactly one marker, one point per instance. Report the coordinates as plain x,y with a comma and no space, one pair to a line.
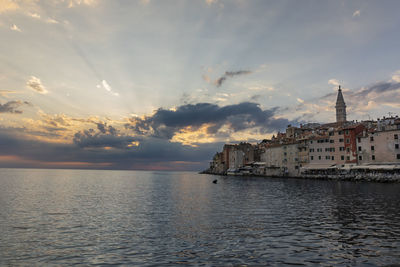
68,217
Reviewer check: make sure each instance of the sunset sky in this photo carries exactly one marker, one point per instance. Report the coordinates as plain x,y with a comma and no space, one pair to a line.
162,85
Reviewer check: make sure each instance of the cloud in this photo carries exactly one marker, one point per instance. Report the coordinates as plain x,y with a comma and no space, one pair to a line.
74,3
144,2
89,151
107,87
51,21
11,107
5,93
8,5
106,129
359,101
34,15
396,76
166,123
210,2
229,74
36,85
357,13
334,82
15,28
98,139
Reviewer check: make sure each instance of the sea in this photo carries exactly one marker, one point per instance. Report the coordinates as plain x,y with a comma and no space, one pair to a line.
156,218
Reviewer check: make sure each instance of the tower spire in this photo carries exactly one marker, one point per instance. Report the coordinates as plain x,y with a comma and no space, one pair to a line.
340,107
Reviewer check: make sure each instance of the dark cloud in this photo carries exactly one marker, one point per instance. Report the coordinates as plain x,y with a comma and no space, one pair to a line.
379,88
12,107
106,136
165,123
103,128
227,74
151,153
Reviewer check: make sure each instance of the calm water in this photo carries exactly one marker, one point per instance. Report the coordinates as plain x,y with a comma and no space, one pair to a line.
65,217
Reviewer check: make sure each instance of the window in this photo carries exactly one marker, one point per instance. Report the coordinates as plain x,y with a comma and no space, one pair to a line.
372,148
359,139
347,131
333,157
341,140
348,150
312,157
340,132
331,133
311,142
359,148
319,157
342,157
347,141
327,157
396,146
398,156
359,157
332,141
373,157
371,138
341,148
348,158
396,136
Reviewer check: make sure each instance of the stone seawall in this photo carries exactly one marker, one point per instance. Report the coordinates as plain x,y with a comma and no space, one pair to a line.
355,177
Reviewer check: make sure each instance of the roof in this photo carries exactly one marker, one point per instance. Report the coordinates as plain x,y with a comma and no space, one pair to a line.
340,99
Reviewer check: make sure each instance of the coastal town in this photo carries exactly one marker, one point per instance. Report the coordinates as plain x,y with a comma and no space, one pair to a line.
346,150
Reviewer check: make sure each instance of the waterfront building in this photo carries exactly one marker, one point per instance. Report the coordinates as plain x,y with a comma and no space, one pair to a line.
284,157
236,159
320,151
217,165
316,148
378,147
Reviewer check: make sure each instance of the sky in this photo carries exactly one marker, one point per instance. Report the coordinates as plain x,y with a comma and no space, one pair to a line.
162,85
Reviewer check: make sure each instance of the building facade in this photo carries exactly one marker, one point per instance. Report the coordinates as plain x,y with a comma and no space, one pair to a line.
378,147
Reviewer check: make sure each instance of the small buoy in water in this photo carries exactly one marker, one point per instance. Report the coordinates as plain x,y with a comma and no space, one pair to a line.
215,181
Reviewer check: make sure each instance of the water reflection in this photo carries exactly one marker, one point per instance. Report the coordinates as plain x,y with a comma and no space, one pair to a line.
156,218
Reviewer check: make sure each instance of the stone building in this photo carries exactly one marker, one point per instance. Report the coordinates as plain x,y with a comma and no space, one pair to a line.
378,147
340,108
283,157
320,151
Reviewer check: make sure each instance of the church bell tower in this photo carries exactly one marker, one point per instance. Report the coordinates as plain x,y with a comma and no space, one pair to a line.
340,107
